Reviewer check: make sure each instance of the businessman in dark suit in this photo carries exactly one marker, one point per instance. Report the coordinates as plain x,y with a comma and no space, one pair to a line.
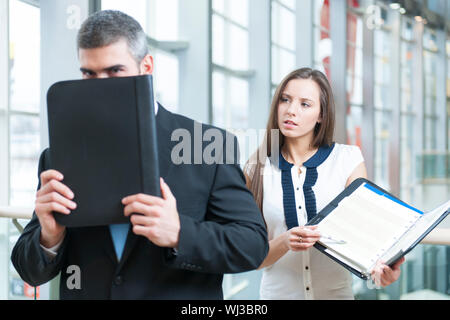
175,247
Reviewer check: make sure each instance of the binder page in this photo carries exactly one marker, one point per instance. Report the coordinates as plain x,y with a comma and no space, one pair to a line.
349,263
365,225
424,223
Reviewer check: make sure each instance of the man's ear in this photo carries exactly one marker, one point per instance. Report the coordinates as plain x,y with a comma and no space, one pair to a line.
146,66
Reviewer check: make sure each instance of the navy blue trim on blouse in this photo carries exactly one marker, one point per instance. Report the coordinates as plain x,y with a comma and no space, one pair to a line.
290,210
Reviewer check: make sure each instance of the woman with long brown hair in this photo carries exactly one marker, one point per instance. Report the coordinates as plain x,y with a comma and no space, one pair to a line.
309,172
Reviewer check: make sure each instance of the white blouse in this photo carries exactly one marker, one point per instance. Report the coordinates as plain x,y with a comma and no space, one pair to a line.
306,274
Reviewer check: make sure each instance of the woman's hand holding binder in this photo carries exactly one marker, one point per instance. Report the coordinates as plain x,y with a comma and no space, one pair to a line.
383,275
302,238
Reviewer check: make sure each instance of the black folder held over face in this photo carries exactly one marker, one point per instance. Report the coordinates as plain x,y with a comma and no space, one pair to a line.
365,224
103,140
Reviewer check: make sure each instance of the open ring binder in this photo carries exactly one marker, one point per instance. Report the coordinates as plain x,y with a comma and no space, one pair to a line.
372,225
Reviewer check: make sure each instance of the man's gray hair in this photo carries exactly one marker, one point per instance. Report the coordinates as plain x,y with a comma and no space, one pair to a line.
106,27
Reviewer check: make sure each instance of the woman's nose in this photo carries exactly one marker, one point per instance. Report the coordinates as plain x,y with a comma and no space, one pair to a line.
293,108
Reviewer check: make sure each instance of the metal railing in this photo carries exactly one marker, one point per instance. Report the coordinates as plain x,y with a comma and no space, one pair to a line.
16,213
439,236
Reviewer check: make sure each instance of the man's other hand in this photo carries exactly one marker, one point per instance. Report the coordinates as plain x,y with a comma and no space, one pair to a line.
155,218
53,196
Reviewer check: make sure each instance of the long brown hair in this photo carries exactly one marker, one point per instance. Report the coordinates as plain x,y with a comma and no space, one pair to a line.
323,132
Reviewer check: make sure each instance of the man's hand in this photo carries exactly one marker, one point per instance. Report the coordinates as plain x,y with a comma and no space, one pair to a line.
52,196
155,218
384,275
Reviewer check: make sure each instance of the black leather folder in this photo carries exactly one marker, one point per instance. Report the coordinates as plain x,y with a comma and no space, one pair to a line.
103,140
378,218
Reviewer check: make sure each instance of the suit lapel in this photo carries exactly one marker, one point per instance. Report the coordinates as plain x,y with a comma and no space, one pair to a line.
163,130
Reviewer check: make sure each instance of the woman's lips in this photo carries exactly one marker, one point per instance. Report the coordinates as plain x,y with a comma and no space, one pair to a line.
290,124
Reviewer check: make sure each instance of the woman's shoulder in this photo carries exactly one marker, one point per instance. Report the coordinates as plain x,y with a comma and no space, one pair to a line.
346,149
347,153
347,156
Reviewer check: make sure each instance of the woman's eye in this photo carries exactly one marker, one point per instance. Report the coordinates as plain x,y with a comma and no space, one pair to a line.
284,99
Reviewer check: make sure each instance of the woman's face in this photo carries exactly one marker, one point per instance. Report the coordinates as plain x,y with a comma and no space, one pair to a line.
299,109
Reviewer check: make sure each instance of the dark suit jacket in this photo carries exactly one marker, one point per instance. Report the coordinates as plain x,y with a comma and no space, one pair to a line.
222,231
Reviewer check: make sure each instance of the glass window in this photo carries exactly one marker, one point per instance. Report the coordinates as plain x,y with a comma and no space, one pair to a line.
430,109
354,124
322,40
291,4
4,154
407,114
24,152
448,104
230,53
165,20
232,113
407,157
354,85
382,96
24,96
283,26
437,6
382,69
406,70
235,10
283,62
23,122
283,39
429,39
219,99
383,122
230,44
383,106
407,29
159,19
230,98
24,72
166,75
138,10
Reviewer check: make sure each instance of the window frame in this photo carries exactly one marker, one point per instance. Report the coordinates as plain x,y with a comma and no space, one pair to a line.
224,70
6,115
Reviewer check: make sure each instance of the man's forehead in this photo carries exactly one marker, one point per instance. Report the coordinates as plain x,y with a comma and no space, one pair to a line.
105,57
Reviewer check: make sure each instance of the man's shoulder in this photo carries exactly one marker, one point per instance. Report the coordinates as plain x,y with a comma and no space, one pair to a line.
44,160
45,155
